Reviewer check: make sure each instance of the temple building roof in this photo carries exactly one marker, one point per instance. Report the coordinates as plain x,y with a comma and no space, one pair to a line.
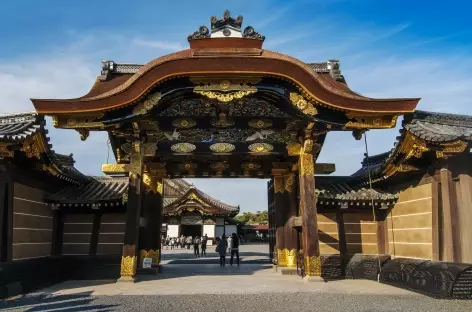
424,138
179,195
26,134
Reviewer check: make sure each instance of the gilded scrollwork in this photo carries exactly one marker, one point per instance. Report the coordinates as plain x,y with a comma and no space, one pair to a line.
289,182
282,255
307,167
225,97
260,148
145,106
128,266
292,258
184,123
222,148
5,151
115,168
313,265
260,123
302,104
370,122
293,149
183,148
31,149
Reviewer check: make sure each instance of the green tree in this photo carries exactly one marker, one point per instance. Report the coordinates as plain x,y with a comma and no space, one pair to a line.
258,217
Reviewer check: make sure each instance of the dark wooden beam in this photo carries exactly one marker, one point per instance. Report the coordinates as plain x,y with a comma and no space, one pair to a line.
97,217
57,233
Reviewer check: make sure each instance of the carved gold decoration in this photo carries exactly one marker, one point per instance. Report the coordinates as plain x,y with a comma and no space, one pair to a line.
292,258
184,123
225,90
183,148
440,154
55,121
115,168
412,146
282,255
248,167
190,169
83,121
362,121
128,266
30,149
302,104
260,148
406,168
219,167
278,184
313,265
289,182
4,151
308,147
144,107
306,165
149,181
260,123
159,187
294,149
197,198
222,147
225,97
84,133
118,154
153,254
222,123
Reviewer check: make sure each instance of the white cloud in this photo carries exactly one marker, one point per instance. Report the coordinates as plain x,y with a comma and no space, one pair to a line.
164,45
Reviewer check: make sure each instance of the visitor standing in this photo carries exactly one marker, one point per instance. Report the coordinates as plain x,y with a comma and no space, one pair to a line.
188,241
204,245
234,248
230,238
172,243
182,241
196,246
222,245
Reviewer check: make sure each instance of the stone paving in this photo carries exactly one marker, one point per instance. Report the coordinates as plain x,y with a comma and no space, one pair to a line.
202,285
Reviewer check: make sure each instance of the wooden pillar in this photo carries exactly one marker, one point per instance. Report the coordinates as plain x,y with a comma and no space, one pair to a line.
382,235
311,246
150,230
97,218
465,218
133,212
290,233
435,219
4,242
280,214
159,197
270,202
449,215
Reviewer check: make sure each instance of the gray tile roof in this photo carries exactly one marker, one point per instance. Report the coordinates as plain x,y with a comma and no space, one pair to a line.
439,127
19,127
342,188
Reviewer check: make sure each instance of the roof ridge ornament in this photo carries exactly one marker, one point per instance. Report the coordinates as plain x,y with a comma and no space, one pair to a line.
228,27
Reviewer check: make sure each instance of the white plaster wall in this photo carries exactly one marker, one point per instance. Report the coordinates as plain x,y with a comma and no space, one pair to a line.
230,229
209,229
173,230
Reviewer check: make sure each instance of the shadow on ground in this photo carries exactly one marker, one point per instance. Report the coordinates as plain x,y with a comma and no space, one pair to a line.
47,302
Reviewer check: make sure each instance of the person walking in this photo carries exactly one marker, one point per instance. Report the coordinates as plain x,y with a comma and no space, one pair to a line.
196,246
230,238
172,243
204,245
182,242
188,241
234,248
222,245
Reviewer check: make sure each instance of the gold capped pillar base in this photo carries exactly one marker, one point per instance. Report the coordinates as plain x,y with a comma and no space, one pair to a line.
127,279
291,258
282,257
313,265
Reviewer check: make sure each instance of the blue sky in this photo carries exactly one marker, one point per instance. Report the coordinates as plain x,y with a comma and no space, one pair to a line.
52,49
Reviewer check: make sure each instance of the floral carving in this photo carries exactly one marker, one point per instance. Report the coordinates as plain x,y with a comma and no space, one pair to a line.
260,148
183,148
222,147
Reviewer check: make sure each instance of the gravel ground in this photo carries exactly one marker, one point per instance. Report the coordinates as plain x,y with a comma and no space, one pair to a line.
299,302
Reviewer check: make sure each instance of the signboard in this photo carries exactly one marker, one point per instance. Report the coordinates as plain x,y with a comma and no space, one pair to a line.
147,263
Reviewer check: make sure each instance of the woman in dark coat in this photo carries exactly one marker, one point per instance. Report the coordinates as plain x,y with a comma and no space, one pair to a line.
222,245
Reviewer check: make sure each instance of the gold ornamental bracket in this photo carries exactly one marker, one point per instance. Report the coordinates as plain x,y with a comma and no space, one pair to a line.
88,121
304,105
116,168
225,90
366,121
5,152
